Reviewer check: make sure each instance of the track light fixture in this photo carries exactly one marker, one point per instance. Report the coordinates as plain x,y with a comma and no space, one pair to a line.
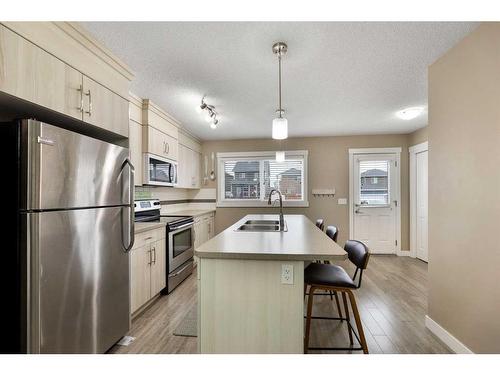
210,113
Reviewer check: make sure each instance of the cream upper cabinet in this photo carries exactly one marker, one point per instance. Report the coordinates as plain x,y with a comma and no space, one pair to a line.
103,108
30,73
135,147
189,164
158,143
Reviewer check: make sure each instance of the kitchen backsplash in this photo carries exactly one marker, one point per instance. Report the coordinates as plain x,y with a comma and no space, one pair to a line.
173,199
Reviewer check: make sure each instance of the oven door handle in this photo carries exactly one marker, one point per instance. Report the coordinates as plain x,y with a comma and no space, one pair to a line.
182,227
179,272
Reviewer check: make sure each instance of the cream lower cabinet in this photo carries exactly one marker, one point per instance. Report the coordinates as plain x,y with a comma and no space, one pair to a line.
147,267
204,229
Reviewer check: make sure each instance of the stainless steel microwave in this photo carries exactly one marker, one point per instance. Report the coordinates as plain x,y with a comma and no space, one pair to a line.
159,171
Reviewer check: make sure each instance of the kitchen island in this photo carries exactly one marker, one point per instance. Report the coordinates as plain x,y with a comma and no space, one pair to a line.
251,285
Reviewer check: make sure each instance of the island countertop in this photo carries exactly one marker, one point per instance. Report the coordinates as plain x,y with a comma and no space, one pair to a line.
302,241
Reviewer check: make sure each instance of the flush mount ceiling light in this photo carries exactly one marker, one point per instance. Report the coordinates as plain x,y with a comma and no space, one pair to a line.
280,124
210,113
409,113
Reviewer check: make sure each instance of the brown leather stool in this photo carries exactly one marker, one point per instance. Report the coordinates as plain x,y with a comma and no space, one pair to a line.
334,278
320,223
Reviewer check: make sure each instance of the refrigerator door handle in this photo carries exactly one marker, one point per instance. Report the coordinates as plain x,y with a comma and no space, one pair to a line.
128,163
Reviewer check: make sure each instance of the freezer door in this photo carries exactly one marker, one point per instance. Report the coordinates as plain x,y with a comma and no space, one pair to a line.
62,169
80,281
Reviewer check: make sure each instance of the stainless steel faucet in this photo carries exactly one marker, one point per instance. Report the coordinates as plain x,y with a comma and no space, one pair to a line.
282,220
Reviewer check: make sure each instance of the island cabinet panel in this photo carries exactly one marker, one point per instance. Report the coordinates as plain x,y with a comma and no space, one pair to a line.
254,312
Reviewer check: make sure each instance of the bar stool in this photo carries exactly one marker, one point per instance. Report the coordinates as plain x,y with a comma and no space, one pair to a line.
332,232
334,278
320,223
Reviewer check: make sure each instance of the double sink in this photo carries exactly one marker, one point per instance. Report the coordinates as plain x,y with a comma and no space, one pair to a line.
262,226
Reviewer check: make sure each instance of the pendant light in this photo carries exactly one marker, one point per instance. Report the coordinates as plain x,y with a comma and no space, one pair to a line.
280,124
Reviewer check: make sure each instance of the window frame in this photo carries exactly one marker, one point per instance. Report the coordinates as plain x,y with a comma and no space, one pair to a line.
222,157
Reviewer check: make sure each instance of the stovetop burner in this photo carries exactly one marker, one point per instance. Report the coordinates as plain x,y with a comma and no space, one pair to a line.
149,211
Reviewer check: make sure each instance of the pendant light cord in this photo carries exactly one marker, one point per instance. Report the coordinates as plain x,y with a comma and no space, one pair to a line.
279,82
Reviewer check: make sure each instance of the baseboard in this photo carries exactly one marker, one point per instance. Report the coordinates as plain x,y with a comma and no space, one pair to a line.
403,253
446,337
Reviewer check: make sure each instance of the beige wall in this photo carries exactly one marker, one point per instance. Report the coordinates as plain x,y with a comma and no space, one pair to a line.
418,136
464,186
328,168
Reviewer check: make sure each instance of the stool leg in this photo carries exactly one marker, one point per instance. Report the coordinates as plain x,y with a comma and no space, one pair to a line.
338,304
359,325
308,318
347,317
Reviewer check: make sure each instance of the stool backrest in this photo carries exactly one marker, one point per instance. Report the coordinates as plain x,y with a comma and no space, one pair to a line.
320,223
358,254
332,232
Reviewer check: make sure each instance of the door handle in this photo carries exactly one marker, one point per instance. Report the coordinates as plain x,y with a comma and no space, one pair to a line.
149,255
128,247
167,147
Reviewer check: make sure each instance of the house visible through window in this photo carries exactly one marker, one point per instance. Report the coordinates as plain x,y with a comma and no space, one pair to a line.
248,178
374,182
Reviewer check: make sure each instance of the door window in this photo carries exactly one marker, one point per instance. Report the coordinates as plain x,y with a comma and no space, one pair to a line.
374,182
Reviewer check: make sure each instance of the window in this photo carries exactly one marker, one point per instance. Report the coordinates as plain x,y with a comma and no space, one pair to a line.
247,178
374,182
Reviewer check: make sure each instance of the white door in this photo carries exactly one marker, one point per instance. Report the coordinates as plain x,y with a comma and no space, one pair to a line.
375,198
421,238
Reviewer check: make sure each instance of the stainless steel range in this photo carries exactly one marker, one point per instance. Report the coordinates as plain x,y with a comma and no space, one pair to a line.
180,240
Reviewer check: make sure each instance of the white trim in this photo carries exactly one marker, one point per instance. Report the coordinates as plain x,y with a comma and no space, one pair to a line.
387,150
421,147
382,150
446,337
263,154
403,253
259,155
414,150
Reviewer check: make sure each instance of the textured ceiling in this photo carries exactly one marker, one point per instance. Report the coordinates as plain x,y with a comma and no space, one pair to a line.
338,78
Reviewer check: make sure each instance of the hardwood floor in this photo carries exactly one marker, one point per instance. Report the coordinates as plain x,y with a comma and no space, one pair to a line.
392,302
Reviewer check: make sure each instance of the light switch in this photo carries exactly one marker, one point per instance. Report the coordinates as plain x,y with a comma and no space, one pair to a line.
342,201
287,274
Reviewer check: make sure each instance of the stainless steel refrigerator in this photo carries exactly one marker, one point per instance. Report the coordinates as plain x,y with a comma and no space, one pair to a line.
70,230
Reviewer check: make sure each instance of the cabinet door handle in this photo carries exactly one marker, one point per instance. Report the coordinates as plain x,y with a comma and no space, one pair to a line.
167,148
89,94
80,109
154,254
150,261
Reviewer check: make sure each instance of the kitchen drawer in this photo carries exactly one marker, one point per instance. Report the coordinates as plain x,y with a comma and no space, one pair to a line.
144,238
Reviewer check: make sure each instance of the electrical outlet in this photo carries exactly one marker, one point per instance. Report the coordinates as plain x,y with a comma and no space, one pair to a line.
286,274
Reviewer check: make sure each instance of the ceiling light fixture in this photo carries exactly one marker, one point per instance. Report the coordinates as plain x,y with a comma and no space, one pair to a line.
409,113
280,156
210,113
280,124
